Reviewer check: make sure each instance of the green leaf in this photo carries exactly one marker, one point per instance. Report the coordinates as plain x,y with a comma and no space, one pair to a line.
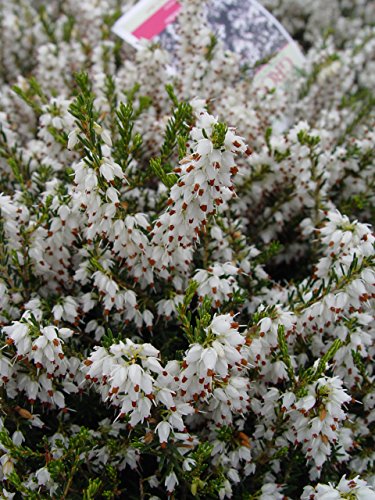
218,135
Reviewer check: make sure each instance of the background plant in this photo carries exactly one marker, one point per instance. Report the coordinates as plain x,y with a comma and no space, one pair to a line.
186,308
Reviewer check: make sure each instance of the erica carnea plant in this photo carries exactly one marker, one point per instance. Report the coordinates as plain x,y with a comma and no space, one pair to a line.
187,276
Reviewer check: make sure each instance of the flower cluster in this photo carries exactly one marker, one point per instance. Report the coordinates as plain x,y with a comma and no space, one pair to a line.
346,488
316,418
204,184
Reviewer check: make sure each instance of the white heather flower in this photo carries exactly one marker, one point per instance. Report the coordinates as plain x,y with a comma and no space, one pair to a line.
271,490
7,464
226,490
19,334
168,307
43,476
104,134
208,358
171,482
188,464
18,438
7,494
346,488
107,171
163,429
217,282
73,138
46,349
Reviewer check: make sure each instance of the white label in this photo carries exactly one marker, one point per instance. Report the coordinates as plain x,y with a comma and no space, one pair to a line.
244,26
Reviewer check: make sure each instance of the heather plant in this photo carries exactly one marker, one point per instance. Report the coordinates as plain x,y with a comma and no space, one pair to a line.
187,274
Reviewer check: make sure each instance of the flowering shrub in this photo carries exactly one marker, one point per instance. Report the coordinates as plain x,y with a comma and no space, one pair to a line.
186,308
